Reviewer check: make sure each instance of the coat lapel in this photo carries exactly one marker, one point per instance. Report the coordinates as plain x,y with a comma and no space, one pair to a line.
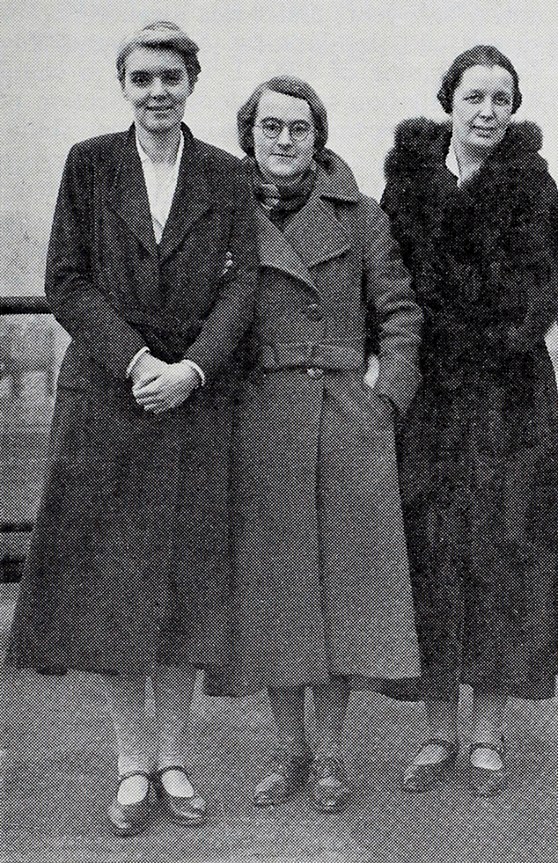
275,251
128,196
192,198
316,234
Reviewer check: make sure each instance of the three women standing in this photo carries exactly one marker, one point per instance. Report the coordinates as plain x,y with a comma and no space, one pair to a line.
127,573
476,215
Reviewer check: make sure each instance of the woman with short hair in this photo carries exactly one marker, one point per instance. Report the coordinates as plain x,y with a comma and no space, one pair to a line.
475,210
128,569
322,594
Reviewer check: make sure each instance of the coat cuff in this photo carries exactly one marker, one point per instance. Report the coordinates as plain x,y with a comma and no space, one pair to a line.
135,358
188,362
399,383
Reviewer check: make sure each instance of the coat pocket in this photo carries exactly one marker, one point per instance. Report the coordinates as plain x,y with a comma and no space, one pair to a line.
373,404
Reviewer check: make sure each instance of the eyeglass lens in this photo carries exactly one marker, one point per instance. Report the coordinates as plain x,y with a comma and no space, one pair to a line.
272,128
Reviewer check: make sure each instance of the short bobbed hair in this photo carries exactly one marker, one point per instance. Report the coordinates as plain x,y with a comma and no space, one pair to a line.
289,86
161,35
480,55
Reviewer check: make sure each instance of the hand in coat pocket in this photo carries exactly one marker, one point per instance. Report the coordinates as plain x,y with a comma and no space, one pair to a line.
372,371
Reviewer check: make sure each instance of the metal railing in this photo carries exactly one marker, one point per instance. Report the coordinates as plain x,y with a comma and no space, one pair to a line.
24,306
11,565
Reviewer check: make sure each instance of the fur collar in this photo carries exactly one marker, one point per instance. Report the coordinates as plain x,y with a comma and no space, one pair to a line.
483,255
423,144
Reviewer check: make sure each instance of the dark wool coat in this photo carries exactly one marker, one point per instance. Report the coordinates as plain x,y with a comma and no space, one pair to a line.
321,574
478,456
129,558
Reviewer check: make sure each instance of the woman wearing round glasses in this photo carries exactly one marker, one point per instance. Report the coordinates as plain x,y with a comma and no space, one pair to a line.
321,578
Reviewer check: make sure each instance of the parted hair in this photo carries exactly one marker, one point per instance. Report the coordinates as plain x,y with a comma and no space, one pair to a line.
163,35
289,86
480,55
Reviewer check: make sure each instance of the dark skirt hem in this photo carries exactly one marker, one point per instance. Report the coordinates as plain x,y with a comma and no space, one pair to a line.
59,670
218,683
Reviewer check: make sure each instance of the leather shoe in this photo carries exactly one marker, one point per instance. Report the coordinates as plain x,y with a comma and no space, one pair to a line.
486,782
328,788
129,819
287,774
421,777
188,811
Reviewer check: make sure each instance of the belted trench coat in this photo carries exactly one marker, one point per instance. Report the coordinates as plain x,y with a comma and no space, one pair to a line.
129,559
321,580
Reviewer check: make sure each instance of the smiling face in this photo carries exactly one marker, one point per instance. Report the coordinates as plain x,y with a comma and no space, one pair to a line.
156,85
482,108
283,159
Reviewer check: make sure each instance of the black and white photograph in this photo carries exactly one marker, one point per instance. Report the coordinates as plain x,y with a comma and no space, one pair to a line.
278,431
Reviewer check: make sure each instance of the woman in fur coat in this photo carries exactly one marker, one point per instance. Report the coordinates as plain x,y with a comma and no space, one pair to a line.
475,211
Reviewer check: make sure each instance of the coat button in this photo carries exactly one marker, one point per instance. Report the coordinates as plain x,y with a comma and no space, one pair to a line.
314,312
316,374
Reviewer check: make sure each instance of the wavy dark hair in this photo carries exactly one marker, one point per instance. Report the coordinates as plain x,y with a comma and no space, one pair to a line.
289,86
165,35
480,55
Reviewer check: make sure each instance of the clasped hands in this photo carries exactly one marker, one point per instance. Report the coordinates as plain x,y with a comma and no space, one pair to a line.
158,386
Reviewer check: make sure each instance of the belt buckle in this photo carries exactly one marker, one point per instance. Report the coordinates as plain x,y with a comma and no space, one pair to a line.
314,372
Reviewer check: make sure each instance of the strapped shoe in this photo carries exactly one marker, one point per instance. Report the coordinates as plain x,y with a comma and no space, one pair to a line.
188,811
129,819
486,781
287,774
421,777
328,788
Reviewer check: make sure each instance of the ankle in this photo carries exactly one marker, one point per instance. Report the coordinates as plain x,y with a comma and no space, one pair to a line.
133,764
329,749
487,734
442,720
170,759
293,745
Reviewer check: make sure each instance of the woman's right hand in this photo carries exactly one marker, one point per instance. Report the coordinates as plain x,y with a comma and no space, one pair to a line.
147,368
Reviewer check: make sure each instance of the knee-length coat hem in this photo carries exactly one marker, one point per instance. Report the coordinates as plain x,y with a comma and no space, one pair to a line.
129,560
321,582
479,453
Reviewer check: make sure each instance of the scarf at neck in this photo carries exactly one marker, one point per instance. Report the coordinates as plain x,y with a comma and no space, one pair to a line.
280,202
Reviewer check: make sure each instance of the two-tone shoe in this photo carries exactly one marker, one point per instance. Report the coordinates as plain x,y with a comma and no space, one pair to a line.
422,777
286,775
129,819
188,811
328,788
487,781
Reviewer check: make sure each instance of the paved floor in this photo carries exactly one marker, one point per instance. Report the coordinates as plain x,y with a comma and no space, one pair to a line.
57,775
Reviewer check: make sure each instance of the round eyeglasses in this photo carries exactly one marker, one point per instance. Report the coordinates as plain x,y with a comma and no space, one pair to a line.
272,128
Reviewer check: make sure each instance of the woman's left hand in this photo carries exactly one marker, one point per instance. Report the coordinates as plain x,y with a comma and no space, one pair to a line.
173,386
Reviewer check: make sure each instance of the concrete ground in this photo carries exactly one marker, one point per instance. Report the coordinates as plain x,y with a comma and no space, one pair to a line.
57,777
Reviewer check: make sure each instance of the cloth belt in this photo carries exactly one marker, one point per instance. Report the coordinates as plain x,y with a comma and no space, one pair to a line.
294,354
